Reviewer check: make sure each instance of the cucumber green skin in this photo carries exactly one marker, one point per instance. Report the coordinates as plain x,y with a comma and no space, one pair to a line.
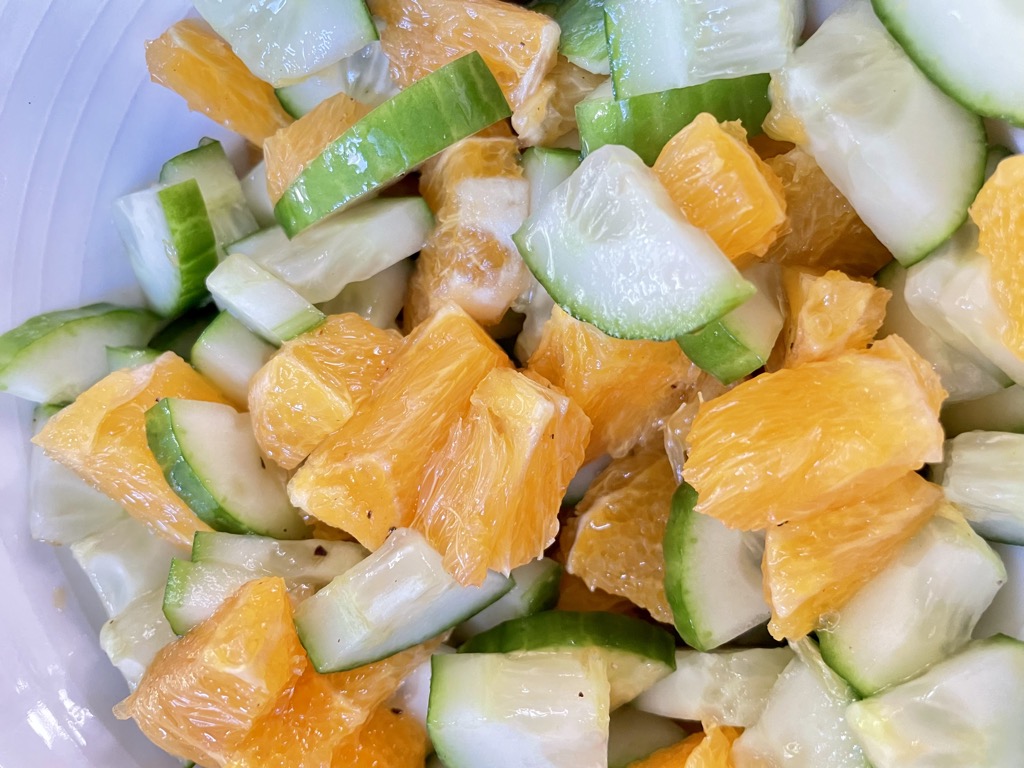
181,334
129,357
716,350
646,123
456,101
193,239
544,594
174,594
583,39
678,539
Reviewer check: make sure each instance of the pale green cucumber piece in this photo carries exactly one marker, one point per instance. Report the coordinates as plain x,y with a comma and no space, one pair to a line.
656,45
229,354
129,357
309,561
195,591
932,149
724,687
455,101
285,41
262,302
170,243
712,575
179,335
54,357
638,654
1001,412
922,608
210,458
803,723
964,711
133,638
535,590
1005,616
354,245
377,299
983,474
612,248
413,695
583,40
737,344
584,478
634,735
397,597
646,123
365,76
254,187
541,709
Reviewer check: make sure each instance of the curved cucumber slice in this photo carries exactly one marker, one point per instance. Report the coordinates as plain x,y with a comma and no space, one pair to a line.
179,335
932,149
210,458
229,354
377,299
195,591
966,710
545,169
413,695
633,735
1001,412
638,654
129,357
310,561
133,638
612,217
535,590
433,113
583,40
365,76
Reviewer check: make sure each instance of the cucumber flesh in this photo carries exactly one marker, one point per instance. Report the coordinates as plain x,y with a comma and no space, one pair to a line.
634,735
535,590
724,687
119,358
195,591
254,187
583,40
365,76
583,479
133,638
179,335
999,412
397,597
309,561
1005,616
377,299
413,695
229,355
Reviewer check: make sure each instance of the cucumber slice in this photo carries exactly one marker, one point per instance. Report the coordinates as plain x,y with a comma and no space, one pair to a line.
638,654
583,40
545,169
365,76
129,357
1001,412
54,357
535,590
284,41
254,187
310,561
543,710
170,243
966,710
646,123
803,723
352,246
633,735
724,687
210,458
922,608
932,149
229,354
613,217
195,591
583,479
712,575
982,475
456,101
1005,616
737,344
378,299
179,335
656,45
264,304
396,598
413,695
133,638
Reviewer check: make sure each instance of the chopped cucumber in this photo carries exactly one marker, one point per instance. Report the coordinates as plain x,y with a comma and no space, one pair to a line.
611,247
545,169
455,101
413,695
397,597
712,575
1001,412
932,149
377,299
54,357
365,76
310,561
133,638
922,608
583,40
966,710
584,478
195,591
1005,616
119,358
254,187
542,709
180,335
535,590
724,687
263,303
210,458
634,735
229,354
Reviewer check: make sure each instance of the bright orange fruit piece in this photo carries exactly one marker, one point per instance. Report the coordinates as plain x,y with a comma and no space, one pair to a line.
365,477
203,693
678,425
314,384
813,566
191,60
575,595
549,113
723,187
786,445
489,500
618,531
391,738
672,756
102,437
626,387
715,749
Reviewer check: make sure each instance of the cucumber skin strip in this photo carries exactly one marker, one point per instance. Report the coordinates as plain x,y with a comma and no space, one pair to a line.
676,533
193,239
729,360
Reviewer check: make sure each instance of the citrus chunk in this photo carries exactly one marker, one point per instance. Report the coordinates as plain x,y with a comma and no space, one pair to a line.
723,187
314,384
715,749
191,60
365,477
490,498
673,756
626,387
102,437
618,531
677,426
549,113
785,445
814,565
391,738
575,595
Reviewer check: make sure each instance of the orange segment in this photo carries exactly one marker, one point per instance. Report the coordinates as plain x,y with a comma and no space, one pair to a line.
618,532
192,61
365,477
672,756
314,384
812,567
785,445
723,187
391,738
549,113
678,425
490,498
102,437
203,693
715,749
575,595
625,387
